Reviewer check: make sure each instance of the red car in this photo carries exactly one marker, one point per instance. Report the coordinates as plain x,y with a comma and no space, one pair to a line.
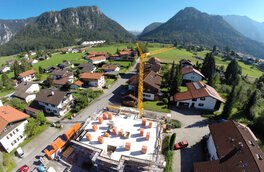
180,145
24,168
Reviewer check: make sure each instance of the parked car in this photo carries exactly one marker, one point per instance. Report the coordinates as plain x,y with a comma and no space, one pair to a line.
24,168
181,145
20,152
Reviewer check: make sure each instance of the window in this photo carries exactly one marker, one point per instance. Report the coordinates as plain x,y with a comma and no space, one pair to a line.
48,110
12,144
202,98
7,137
259,156
146,95
17,129
251,143
194,100
17,139
55,112
201,104
14,132
11,134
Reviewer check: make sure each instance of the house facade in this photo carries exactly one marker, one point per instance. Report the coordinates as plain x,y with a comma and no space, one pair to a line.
190,74
152,82
12,127
26,91
231,147
4,69
27,76
97,59
55,102
198,95
93,79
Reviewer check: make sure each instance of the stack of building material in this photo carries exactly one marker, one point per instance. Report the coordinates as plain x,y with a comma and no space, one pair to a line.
144,149
141,131
88,136
128,146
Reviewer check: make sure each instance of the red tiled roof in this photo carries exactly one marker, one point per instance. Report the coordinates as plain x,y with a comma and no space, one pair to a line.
97,58
9,114
78,83
26,73
97,53
186,70
61,81
197,90
125,52
94,76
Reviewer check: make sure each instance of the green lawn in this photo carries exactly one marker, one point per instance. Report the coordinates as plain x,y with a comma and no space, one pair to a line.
156,106
3,59
111,48
4,93
59,58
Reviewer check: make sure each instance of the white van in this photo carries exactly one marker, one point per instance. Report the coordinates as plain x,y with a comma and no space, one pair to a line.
20,152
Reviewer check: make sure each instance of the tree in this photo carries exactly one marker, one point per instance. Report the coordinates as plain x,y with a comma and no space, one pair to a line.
250,104
227,49
77,73
7,83
32,127
176,79
229,104
175,44
172,141
24,65
208,68
16,69
214,48
49,82
40,118
41,70
232,73
18,104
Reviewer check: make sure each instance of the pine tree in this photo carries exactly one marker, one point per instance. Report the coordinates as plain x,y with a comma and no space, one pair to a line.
250,104
229,104
41,70
16,69
208,68
232,73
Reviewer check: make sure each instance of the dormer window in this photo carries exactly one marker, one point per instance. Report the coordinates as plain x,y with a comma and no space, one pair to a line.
251,143
259,156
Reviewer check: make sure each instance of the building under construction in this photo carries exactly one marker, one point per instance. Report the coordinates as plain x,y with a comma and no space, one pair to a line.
119,142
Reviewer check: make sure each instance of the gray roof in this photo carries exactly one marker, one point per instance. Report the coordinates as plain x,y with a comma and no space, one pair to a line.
51,96
21,90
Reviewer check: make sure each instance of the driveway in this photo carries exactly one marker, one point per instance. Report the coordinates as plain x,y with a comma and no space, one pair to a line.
33,150
194,127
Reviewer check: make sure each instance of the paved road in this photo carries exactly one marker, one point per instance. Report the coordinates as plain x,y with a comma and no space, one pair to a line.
34,149
194,127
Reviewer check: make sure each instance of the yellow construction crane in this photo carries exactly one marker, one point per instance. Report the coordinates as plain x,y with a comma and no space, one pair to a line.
141,73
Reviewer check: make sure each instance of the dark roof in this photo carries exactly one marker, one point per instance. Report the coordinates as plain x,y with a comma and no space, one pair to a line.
21,90
154,60
86,67
59,72
34,107
61,81
150,78
51,96
150,67
236,147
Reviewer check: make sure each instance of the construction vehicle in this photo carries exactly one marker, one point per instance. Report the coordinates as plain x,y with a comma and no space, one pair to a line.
141,73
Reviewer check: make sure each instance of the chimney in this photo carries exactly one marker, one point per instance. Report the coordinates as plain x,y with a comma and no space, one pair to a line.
52,93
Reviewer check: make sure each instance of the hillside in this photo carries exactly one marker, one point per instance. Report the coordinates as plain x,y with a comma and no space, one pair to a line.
151,27
194,27
64,28
8,28
248,27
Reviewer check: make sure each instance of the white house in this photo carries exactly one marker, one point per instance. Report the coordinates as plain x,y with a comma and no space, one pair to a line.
4,69
12,127
97,59
190,74
231,147
26,91
27,76
198,95
55,102
93,79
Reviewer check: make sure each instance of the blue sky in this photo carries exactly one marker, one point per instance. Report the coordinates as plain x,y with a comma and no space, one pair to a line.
135,14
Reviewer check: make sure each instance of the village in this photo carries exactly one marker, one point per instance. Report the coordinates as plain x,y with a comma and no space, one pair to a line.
87,112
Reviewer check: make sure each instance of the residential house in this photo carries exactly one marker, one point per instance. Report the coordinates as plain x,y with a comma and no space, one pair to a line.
95,54
12,127
4,69
50,69
186,63
198,95
26,91
97,59
110,67
93,79
231,147
62,77
27,76
151,82
190,74
77,84
65,65
32,61
125,54
153,64
54,102
86,67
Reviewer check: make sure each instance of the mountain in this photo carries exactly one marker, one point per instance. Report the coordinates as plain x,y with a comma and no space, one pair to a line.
67,27
151,27
248,27
134,32
8,28
191,26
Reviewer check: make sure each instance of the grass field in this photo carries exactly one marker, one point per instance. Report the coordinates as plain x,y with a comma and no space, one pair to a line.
3,59
59,58
110,48
156,106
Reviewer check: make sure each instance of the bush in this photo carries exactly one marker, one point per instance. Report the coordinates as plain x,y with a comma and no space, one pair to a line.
165,144
169,158
175,124
172,141
165,101
8,162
